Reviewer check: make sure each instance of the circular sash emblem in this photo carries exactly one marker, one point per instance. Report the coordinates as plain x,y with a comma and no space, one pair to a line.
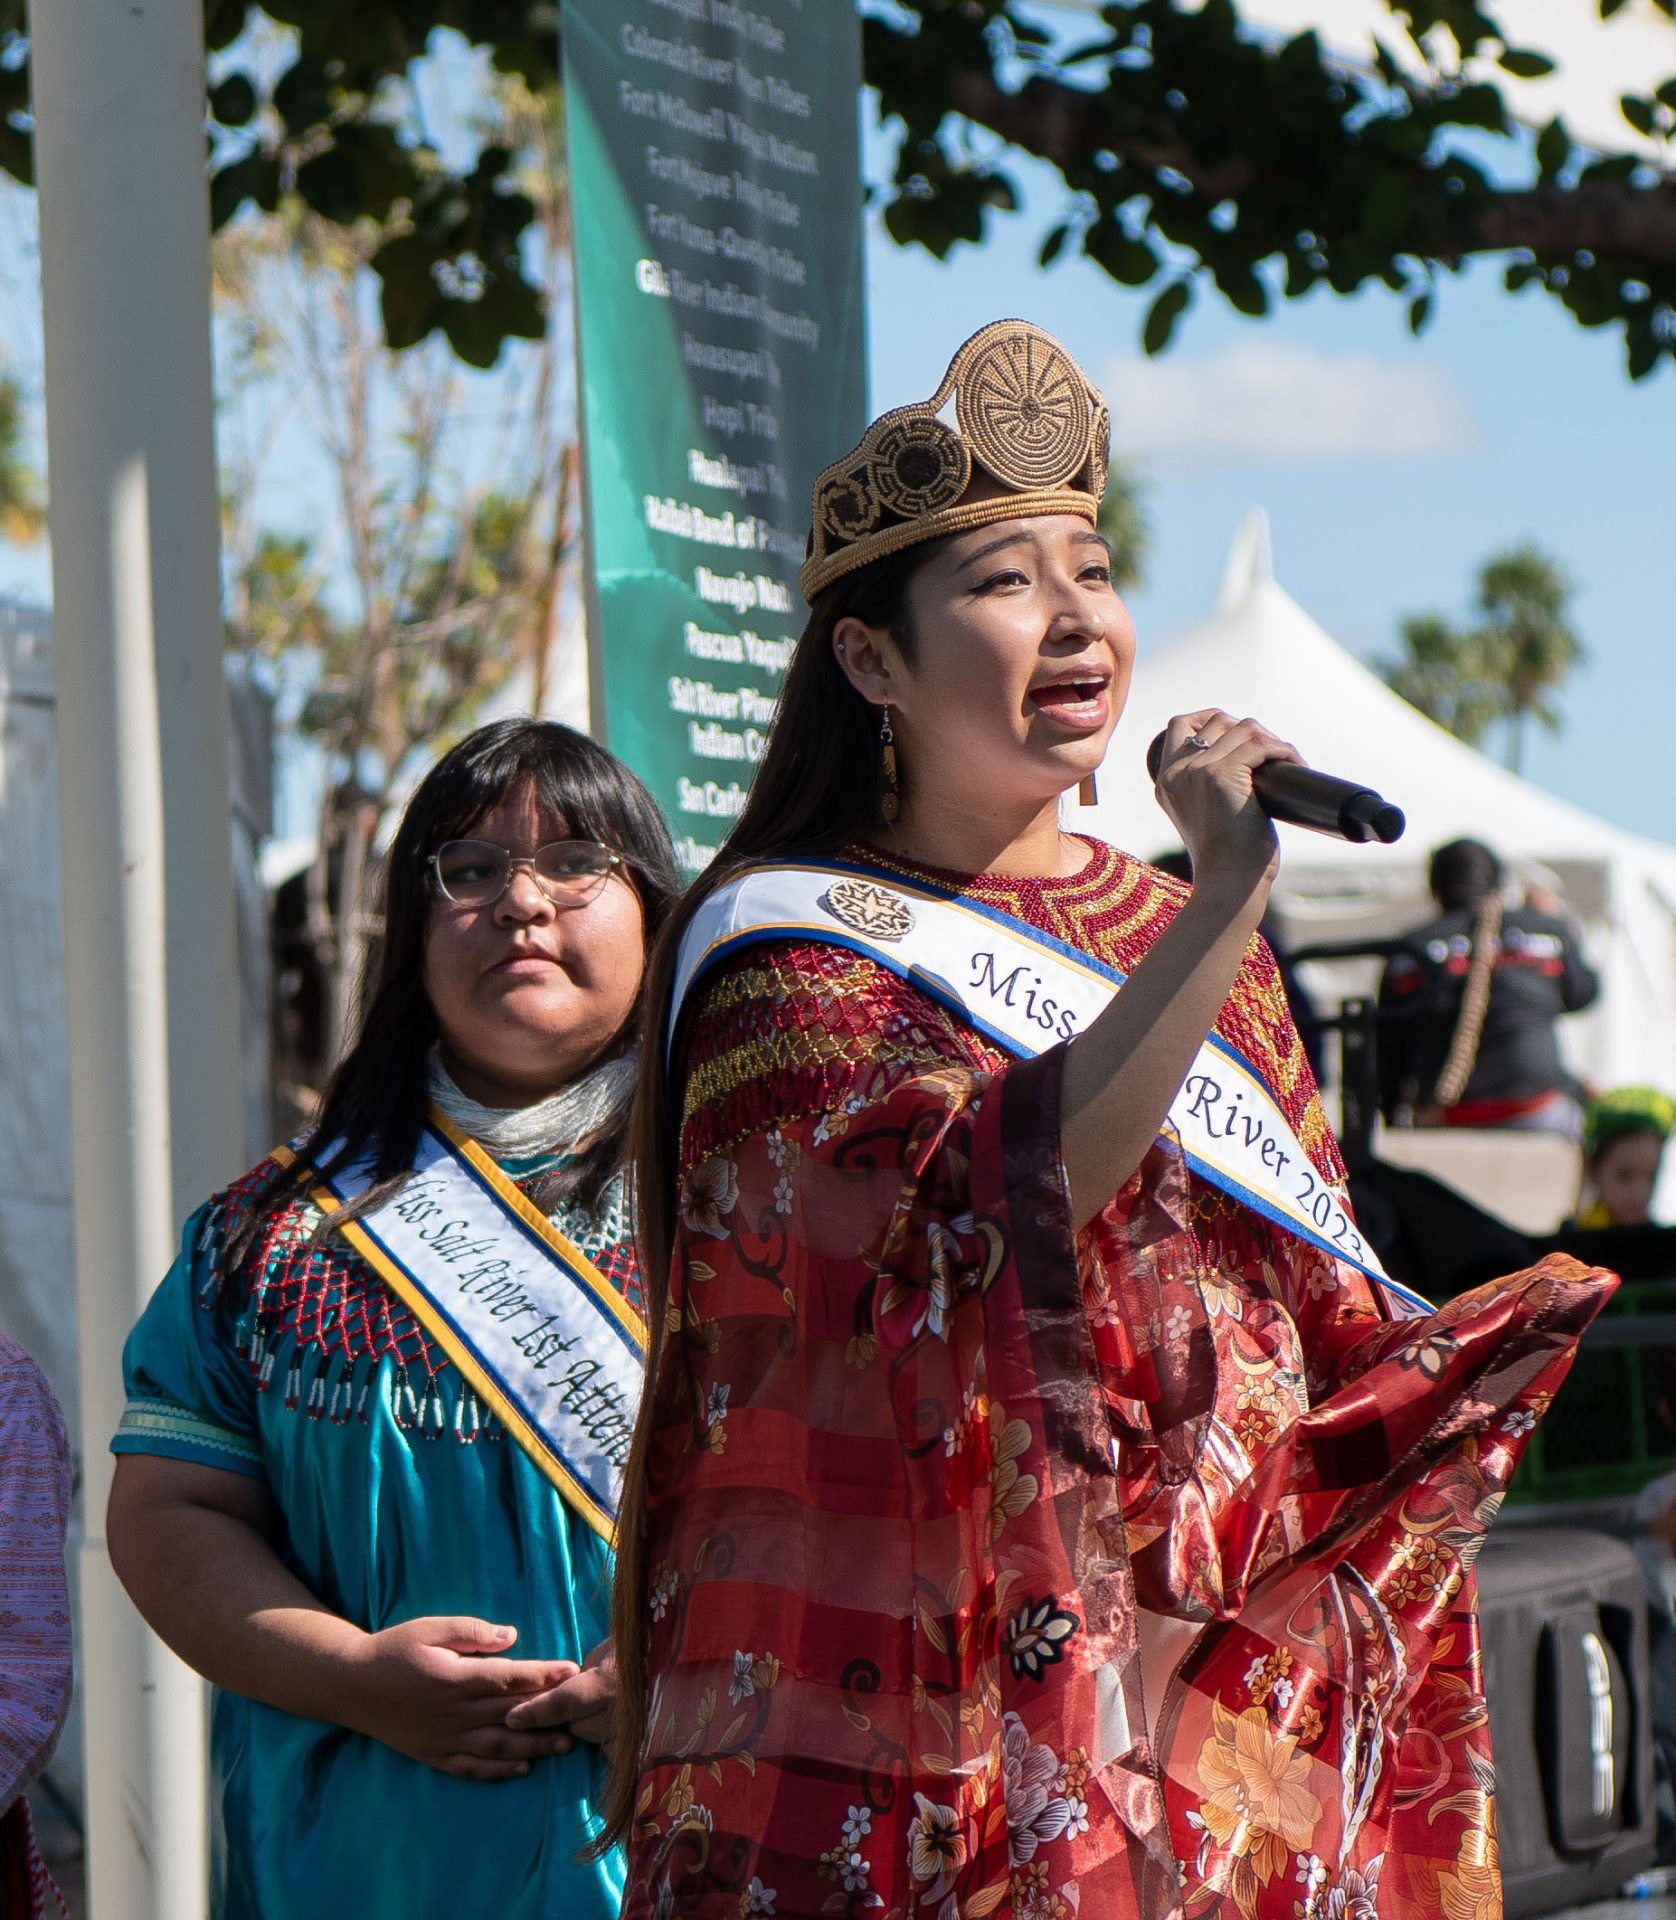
866,908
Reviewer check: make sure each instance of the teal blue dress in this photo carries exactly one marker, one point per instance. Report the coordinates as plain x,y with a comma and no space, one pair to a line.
402,1496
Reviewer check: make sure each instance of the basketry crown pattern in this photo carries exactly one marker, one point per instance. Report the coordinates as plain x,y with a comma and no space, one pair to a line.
1029,435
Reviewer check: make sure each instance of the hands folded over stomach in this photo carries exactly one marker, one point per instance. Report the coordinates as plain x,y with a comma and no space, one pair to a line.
440,1690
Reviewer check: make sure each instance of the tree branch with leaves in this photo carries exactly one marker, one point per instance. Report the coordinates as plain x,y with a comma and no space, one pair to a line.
1197,155
432,576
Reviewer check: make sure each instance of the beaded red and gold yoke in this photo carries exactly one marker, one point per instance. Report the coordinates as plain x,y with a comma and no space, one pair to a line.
827,1007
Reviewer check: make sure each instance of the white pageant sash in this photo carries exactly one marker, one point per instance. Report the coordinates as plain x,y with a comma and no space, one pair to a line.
539,1333
1028,991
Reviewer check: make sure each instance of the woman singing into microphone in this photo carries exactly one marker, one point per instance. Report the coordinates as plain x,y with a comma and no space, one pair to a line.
1042,1504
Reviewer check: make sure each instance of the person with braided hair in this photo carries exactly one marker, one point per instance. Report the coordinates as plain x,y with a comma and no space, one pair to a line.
1467,1038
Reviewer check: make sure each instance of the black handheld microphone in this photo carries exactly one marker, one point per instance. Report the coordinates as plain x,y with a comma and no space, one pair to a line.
1304,798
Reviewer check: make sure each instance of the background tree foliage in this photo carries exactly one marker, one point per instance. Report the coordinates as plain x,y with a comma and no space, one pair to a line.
1524,599
22,497
1193,155
1506,666
420,566
1441,671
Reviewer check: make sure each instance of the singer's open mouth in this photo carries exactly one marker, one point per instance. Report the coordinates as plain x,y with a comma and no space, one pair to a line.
1075,700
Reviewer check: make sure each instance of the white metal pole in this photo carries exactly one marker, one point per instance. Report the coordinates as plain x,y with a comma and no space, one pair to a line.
149,928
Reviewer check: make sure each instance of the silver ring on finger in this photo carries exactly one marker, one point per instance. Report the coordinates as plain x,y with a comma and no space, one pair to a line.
1197,742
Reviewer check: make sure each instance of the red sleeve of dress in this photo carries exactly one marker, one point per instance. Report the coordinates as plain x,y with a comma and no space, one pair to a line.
870,1480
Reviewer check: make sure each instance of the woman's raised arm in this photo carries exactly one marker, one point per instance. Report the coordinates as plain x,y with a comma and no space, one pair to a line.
1122,1074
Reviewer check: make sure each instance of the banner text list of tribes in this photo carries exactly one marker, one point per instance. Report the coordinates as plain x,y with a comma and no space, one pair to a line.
716,186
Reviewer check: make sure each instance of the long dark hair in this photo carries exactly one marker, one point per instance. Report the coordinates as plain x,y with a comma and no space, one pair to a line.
376,1098
817,789
1461,873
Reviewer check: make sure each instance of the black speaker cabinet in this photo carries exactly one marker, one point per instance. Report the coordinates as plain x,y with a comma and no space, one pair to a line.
1564,1618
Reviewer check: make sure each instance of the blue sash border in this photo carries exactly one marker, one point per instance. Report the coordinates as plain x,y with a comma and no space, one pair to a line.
923,981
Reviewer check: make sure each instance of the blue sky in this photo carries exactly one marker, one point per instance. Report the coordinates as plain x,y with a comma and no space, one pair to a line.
1390,467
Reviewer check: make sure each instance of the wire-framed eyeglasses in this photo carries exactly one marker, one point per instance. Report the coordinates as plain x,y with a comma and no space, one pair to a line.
475,873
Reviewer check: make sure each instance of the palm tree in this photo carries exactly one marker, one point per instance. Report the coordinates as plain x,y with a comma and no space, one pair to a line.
1528,641
1442,671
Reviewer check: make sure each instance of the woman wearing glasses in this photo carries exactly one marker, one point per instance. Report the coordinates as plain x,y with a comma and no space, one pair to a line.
378,1406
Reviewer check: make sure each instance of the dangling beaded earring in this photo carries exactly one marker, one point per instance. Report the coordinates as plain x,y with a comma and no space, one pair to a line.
890,801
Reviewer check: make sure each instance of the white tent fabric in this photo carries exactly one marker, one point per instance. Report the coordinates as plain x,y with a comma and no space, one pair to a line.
1260,653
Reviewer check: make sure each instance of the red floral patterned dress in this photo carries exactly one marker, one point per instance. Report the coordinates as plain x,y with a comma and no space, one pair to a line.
942,1487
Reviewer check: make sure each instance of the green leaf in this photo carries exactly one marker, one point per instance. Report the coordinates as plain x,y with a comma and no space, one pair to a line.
1300,275
1054,245
331,184
1665,95
999,191
1553,149
1524,64
1638,112
1641,353
473,331
1163,314
1242,288
365,171
233,102
1478,105
304,93
408,294
1129,262
1420,313
1610,7
255,177
17,154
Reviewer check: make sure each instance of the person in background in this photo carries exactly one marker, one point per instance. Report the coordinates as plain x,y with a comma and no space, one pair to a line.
1467,1035
1624,1135
353,1490
35,1665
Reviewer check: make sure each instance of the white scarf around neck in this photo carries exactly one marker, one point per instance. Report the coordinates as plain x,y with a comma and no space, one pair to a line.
565,1122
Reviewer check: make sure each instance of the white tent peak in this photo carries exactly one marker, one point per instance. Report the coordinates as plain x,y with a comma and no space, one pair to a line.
1263,653
1250,562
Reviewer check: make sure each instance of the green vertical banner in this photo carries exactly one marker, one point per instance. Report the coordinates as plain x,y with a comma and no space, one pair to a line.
716,194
